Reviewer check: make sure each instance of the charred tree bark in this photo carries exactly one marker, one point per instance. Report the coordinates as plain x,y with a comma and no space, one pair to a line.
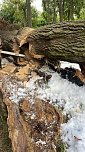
64,41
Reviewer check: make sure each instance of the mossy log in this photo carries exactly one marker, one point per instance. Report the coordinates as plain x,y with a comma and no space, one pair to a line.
64,41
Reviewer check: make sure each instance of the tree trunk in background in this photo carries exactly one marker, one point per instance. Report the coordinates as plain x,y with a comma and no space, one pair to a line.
28,13
70,10
64,41
54,10
60,5
48,12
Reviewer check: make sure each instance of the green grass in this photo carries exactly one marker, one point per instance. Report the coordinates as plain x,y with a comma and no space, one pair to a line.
60,146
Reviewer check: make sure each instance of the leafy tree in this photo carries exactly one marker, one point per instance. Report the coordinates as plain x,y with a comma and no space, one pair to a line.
13,11
34,17
72,9
79,5
50,8
64,9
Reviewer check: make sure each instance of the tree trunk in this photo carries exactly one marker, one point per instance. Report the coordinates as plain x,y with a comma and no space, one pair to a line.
12,39
48,12
54,12
29,14
60,5
71,11
65,41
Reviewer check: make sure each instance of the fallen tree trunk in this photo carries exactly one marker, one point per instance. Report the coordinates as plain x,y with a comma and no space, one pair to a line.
12,39
64,41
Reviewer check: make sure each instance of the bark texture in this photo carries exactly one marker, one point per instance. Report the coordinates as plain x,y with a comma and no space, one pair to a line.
64,41
5,143
26,132
8,33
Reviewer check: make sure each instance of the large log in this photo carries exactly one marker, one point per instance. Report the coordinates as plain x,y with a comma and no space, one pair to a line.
64,41
7,35
12,39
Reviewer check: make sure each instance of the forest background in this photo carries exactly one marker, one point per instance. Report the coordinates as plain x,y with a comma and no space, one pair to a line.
23,13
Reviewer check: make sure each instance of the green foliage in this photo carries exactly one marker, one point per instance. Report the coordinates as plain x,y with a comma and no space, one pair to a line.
60,146
82,14
72,9
69,9
13,11
41,20
34,17
49,8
